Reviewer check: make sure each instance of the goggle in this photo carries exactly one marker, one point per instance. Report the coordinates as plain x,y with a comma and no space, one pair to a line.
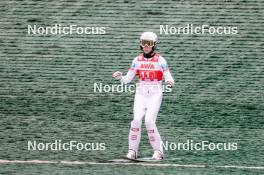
149,43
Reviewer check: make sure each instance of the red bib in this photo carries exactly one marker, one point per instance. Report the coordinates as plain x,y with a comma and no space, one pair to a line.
149,69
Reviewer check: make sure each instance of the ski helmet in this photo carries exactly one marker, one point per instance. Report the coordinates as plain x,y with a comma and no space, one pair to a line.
148,38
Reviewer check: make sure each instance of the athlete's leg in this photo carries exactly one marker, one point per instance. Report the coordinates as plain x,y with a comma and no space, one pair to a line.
153,106
135,130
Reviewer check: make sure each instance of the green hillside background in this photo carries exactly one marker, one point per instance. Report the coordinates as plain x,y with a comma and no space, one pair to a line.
47,83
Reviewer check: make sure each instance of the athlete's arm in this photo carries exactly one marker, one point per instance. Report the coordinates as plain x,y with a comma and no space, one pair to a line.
130,74
166,72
